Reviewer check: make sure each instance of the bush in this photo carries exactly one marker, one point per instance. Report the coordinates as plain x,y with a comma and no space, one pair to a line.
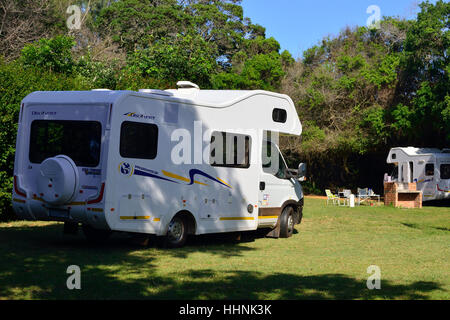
52,54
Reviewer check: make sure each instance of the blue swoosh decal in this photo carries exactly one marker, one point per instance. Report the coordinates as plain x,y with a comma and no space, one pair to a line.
146,174
195,172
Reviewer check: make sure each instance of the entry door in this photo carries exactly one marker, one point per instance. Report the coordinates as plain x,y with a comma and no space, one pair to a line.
443,180
275,186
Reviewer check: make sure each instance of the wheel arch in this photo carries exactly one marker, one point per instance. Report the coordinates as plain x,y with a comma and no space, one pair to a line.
296,205
189,218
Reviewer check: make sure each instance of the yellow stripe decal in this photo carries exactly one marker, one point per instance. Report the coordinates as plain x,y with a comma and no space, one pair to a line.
268,217
19,200
97,209
157,219
201,183
175,176
77,204
135,218
224,183
236,219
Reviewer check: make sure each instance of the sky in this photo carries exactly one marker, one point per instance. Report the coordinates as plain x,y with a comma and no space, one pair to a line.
300,24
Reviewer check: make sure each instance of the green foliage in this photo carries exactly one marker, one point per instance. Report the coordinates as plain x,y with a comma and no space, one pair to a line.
374,119
185,57
385,72
51,54
369,90
311,135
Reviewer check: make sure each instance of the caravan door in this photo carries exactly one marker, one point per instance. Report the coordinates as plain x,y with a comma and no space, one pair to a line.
443,179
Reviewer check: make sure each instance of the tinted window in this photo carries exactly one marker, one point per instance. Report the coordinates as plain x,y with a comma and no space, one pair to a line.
138,140
429,169
80,140
279,115
394,156
445,171
230,150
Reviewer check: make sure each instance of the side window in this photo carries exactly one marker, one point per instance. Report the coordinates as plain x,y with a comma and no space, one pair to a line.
429,169
279,115
272,161
411,171
138,140
230,150
445,171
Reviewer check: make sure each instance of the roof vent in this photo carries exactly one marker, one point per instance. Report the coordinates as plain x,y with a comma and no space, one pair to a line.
187,85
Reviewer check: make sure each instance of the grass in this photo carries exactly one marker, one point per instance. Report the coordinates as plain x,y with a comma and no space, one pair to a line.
327,258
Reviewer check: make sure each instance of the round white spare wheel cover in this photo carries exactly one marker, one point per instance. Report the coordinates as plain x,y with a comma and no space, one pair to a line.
58,180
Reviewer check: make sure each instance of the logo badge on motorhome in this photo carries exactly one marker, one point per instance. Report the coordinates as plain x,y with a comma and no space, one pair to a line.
125,169
140,116
43,113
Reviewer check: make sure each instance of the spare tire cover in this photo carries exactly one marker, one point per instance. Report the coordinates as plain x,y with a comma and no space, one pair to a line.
58,180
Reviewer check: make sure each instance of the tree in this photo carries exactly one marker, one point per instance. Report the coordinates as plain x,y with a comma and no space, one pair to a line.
183,57
25,21
53,54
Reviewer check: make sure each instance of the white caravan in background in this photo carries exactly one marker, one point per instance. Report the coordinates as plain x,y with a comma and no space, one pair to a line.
105,159
429,168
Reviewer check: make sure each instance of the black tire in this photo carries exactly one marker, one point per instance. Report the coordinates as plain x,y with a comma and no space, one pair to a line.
287,223
177,233
95,235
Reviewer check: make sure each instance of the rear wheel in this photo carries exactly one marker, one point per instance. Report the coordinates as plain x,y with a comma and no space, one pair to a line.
287,223
176,233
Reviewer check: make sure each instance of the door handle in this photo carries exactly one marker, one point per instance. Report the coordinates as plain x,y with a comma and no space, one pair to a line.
262,186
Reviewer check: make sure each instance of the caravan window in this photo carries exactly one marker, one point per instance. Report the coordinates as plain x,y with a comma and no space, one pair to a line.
445,171
138,140
79,140
230,150
429,169
279,115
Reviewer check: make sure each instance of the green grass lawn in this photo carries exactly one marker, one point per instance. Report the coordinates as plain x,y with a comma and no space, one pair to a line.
327,258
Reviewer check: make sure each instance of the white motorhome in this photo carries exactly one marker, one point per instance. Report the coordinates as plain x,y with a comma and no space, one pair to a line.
133,161
429,168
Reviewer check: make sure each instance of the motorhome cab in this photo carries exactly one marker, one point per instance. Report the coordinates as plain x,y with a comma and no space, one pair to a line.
429,168
169,163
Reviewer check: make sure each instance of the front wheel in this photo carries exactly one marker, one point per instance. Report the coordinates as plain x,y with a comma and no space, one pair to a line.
287,223
176,233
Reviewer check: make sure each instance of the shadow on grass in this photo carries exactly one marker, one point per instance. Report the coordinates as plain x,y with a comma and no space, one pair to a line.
34,263
437,203
424,227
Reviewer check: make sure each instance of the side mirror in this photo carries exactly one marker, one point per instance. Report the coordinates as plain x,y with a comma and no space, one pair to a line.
301,175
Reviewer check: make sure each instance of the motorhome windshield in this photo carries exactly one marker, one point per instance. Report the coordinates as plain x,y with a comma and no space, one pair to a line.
80,140
278,168
394,172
